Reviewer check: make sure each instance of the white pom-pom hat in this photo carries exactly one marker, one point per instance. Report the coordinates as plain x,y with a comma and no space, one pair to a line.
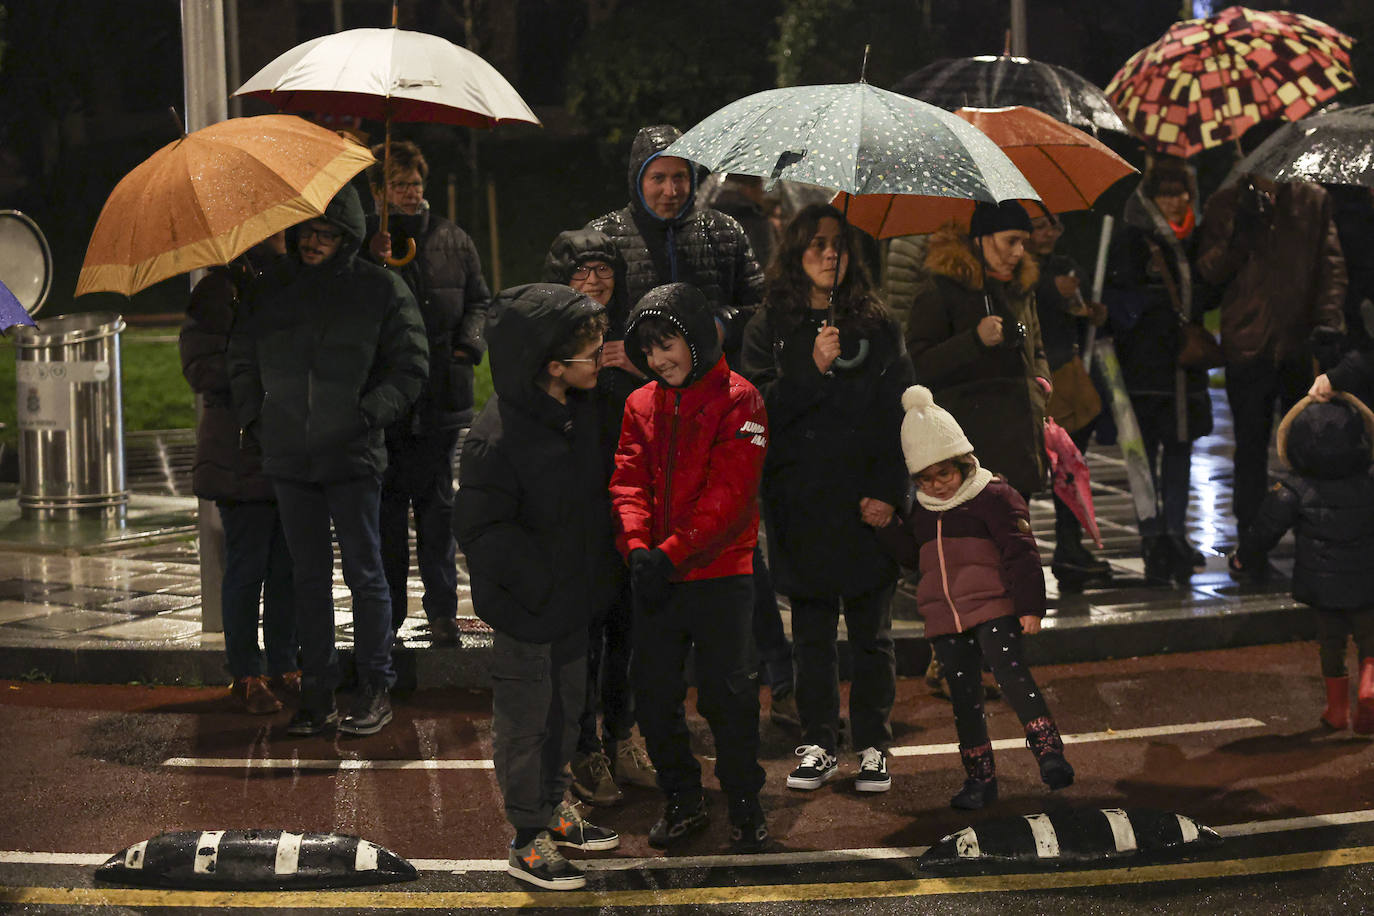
929,433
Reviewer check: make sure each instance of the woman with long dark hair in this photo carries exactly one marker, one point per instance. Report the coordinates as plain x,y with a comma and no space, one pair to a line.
832,367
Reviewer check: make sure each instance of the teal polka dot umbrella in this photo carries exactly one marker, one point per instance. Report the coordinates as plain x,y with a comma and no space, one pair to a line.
855,138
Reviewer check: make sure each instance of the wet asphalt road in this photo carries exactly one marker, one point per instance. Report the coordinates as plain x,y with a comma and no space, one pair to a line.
1227,737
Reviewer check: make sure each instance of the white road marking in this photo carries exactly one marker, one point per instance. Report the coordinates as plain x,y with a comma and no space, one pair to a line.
207,851
872,854
925,750
1187,828
1123,834
1042,831
288,854
283,763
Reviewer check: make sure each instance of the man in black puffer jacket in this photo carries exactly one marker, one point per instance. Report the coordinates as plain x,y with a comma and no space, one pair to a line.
446,279
328,351
664,238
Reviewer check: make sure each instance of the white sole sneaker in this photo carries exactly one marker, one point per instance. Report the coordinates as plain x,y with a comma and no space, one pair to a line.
812,782
872,785
569,883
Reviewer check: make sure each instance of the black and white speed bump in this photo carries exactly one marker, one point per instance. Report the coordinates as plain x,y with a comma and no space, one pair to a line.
254,859
1072,836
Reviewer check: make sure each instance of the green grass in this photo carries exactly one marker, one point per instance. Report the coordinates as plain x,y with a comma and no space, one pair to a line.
156,395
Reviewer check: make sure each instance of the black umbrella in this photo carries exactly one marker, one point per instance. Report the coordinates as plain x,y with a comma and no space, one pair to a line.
999,82
1333,147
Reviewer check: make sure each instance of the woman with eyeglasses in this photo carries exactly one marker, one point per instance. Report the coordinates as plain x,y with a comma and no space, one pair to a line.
830,363
589,262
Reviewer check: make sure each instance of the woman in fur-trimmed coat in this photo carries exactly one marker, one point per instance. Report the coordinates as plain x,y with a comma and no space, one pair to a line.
974,340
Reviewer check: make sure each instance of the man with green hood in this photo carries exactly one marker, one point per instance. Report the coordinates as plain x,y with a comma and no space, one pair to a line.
328,351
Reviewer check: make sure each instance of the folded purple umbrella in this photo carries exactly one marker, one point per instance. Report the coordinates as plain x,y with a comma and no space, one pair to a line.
12,311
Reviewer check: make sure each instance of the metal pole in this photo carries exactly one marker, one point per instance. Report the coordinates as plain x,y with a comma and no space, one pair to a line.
202,58
1019,48
231,34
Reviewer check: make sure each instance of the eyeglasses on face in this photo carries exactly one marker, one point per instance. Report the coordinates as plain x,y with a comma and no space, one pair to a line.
595,358
323,233
406,185
582,272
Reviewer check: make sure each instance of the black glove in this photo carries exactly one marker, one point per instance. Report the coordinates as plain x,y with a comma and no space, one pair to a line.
650,572
1254,210
1328,345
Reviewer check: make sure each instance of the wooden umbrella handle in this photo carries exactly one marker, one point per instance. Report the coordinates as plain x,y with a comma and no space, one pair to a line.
385,206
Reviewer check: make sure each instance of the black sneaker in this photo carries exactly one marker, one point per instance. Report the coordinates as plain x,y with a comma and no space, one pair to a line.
540,863
873,775
568,829
748,828
371,711
683,817
305,722
817,765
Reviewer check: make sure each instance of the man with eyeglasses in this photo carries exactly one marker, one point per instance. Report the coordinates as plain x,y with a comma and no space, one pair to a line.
328,351
445,277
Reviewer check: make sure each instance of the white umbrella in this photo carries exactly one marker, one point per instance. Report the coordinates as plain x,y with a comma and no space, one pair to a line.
389,75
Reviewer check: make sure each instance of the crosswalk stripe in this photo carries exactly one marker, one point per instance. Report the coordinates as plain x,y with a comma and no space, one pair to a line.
925,750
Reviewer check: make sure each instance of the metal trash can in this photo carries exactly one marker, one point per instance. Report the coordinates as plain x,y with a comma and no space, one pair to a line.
71,418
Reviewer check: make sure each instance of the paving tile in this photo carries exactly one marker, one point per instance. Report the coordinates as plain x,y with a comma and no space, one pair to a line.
148,629
164,582
152,604
68,620
22,610
26,590
88,596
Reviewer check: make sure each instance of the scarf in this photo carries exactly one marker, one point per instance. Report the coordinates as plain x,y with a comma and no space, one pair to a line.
973,485
1184,229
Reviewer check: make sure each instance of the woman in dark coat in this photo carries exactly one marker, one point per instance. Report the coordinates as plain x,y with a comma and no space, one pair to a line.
1150,286
974,338
834,473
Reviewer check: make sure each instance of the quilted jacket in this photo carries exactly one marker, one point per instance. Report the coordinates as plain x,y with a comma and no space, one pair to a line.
690,458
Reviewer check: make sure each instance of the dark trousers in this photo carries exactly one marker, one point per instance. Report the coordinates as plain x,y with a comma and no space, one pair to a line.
257,567
815,629
1252,389
996,643
1332,629
419,476
608,677
536,699
712,617
769,636
306,512
1171,468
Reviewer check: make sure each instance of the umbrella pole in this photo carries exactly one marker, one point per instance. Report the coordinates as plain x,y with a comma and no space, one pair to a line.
384,205
844,233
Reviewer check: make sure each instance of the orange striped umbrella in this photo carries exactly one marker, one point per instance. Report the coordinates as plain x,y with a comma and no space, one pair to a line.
1068,169
210,196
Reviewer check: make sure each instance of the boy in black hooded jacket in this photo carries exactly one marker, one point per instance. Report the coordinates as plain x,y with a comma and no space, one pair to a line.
533,517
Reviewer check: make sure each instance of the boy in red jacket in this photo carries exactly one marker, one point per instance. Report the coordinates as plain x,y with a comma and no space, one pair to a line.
685,500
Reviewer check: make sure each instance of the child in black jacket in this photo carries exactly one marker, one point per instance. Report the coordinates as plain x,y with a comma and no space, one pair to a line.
1328,501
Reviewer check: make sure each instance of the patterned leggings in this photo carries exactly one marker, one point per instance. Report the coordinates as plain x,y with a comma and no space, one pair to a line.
997,642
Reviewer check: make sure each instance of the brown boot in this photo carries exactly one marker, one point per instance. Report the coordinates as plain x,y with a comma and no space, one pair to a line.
1364,714
254,697
1337,712
287,684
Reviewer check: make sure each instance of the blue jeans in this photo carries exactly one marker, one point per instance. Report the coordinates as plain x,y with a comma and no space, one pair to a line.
257,565
419,474
306,512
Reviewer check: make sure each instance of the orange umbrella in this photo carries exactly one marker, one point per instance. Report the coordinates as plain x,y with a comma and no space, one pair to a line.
1068,169
210,196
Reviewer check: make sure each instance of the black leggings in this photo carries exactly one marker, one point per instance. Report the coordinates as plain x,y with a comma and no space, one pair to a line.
998,643
1332,627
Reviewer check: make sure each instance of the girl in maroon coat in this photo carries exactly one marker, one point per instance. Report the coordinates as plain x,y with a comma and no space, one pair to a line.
981,588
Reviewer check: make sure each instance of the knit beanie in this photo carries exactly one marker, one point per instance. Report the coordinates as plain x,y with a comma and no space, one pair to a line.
989,218
929,433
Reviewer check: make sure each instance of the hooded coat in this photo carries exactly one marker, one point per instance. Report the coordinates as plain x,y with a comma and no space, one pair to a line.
325,357
836,440
1328,501
532,513
690,457
446,280
703,247
228,465
1146,324
571,249
991,391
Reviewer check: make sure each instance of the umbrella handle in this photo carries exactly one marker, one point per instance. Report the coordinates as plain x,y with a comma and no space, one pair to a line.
855,360
404,259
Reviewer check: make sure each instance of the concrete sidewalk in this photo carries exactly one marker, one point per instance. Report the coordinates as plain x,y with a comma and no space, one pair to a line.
85,604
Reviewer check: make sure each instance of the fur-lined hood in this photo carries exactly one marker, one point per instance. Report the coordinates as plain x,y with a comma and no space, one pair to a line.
950,254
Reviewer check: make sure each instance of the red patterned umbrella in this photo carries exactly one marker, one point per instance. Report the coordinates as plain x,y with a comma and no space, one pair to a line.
1206,81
